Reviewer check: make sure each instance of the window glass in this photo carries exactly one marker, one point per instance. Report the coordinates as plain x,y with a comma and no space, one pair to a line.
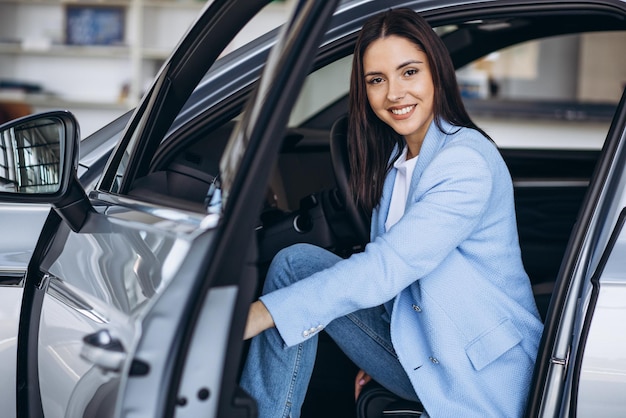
217,85
555,92
321,89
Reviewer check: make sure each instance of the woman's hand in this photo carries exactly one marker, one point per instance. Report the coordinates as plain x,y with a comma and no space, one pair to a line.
361,380
259,319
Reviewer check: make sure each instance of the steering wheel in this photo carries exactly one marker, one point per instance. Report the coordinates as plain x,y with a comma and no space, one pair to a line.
359,218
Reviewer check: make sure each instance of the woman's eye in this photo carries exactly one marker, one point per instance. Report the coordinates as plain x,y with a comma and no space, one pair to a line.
410,72
375,80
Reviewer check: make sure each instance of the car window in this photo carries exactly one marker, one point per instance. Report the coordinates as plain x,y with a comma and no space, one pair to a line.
555,92
175,81
322,88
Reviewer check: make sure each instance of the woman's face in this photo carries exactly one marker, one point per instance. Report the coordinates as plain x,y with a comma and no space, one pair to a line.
400,87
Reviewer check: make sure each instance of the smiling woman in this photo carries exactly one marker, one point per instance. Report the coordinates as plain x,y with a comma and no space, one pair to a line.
444,254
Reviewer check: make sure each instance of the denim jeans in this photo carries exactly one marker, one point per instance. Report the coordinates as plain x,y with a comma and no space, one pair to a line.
277,377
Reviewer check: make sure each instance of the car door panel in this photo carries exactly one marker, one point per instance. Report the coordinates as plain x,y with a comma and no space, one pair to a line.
102,278
64,322
602,365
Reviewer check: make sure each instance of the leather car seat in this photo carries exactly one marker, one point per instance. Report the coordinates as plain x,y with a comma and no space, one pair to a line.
339,153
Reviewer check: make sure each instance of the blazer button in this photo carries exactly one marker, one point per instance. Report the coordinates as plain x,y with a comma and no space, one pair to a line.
305,333
417,308
434,360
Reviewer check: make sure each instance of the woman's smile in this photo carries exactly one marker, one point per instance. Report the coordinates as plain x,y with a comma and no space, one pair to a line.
402,112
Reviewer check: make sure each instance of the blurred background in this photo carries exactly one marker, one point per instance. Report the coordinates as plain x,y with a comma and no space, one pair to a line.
95,58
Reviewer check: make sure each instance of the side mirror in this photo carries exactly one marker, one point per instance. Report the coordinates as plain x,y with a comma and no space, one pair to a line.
38,164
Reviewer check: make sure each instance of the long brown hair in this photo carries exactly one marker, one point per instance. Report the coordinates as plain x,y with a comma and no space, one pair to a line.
370,140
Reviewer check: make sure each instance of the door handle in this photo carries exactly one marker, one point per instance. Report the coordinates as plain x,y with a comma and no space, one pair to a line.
103,350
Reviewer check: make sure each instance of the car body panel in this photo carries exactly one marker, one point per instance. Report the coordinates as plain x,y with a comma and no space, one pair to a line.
563,340
11,302
24,223
602,370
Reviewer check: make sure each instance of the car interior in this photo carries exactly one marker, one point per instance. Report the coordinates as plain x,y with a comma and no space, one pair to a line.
306,199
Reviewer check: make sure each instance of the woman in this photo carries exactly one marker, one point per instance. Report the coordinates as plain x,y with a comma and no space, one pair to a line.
438,306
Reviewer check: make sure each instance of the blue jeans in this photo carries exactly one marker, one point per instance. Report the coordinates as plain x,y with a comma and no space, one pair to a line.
277,377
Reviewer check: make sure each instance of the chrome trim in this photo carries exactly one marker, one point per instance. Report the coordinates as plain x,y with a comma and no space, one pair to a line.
194,220
562,362
61,292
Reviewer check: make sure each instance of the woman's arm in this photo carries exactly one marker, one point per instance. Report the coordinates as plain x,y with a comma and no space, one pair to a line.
259,319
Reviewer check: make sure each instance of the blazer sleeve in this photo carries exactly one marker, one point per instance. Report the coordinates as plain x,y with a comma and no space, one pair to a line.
444,210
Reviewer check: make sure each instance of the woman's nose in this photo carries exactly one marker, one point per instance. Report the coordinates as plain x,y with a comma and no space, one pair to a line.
396,92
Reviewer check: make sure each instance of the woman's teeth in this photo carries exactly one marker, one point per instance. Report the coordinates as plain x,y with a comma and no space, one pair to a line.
402,111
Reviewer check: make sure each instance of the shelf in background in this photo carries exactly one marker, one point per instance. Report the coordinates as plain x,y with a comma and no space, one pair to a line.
62,2
17,48
43,100
147,3
193,4
34,49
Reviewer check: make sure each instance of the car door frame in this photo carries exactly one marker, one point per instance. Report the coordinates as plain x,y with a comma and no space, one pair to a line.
606,306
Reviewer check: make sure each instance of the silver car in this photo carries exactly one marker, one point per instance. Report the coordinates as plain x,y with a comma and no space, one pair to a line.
137,289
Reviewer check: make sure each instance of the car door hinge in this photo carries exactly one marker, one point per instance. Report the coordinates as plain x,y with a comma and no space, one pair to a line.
563,362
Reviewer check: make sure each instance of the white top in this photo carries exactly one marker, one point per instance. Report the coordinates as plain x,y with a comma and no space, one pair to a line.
401,188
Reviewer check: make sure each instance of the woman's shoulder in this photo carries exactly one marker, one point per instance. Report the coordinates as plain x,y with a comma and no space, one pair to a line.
461,136
455,133
468,144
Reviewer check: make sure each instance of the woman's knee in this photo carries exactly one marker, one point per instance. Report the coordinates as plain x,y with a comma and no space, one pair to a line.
297,262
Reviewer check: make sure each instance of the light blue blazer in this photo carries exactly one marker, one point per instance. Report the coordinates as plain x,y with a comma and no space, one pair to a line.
463,318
